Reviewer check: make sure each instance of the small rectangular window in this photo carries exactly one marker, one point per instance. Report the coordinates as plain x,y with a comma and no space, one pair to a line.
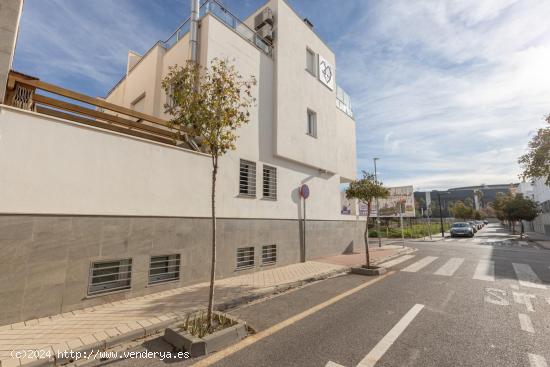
245,258
311,62
164,268
247,178
269,254
269,183
311,123
110,276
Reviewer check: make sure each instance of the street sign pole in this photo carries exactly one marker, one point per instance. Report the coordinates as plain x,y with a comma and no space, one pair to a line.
304,194
377,209
401,220
428,207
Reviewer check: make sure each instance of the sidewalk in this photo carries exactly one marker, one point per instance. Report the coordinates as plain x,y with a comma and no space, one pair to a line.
106,325
377,255
541,239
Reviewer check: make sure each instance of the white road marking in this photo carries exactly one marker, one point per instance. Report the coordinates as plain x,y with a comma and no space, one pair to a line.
397,261
537,361
387,341
496,297
449,240
477,240
485,270
462,240
527,277
450,267
524,299
333,364
525,323
548,300
420,264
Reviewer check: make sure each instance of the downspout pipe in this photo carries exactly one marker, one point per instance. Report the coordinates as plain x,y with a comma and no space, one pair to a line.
194,34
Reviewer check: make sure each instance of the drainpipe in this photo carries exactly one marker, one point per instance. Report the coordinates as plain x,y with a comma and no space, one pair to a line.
194,34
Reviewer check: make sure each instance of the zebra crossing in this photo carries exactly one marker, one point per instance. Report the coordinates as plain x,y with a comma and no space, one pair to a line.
490,241
484,269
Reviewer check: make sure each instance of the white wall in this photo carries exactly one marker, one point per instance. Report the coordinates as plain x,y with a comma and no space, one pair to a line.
50,166
541,191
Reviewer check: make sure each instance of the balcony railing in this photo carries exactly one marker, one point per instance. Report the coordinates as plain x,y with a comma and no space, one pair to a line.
225,16
23,92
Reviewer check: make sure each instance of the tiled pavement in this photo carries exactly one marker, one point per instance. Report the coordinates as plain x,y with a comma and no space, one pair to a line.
76,329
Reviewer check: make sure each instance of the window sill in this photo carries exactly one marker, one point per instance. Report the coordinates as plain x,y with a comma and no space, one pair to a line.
269,264
244,196
310,73
266,198
89,296
312,136
171,281
245,268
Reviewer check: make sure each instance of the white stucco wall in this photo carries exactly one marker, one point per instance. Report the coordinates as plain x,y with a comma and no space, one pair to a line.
541,191
51,166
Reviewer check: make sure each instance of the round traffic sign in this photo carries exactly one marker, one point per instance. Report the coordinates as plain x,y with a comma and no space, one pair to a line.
304,191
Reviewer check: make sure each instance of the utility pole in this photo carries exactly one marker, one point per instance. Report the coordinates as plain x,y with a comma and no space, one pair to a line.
440,215
377,208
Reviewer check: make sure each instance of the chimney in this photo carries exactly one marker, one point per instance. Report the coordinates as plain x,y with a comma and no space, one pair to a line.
194,34
10,13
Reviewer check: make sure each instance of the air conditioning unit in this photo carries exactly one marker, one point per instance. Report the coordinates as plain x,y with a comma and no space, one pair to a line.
262,18
266,33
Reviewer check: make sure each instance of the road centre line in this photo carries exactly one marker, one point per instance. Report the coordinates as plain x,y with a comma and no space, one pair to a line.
387,341
216,357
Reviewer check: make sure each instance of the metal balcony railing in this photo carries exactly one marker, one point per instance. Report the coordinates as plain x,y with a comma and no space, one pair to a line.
225,16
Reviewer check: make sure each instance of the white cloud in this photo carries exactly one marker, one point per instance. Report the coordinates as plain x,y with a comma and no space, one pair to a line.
447,93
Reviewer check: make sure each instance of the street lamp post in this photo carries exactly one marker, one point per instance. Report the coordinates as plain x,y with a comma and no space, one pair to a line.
440,214
377,209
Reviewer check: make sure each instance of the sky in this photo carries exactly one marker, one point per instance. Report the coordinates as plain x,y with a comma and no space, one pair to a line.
445,93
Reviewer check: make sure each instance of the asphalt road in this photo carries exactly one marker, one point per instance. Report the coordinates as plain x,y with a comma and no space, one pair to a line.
451,303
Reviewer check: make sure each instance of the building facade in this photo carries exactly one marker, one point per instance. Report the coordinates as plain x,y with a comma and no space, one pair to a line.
89,216
540,193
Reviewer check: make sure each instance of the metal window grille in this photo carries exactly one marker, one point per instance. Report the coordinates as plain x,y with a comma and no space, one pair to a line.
310,62
311,123
247,178
269,184
164,268
110,276
170,100
245,257
269,254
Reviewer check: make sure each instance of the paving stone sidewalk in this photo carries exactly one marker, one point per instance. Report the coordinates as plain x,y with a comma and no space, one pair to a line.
78,329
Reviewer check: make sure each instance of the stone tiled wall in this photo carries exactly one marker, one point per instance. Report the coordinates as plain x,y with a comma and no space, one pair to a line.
46,260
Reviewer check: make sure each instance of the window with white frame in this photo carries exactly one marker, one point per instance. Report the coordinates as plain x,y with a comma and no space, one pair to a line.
110,276
269,254
245,258
164,268
311,62
311,123
247,178
269,184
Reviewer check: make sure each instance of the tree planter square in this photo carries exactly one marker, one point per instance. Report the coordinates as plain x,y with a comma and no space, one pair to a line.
196,347
371,270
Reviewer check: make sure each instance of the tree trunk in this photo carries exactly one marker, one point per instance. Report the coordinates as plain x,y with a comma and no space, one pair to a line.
213,263
513,227
366,235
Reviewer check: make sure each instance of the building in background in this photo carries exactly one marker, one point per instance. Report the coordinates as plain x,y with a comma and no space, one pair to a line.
104,207
540,193
478,197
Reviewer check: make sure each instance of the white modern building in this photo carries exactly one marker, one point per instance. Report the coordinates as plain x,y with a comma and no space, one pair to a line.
98,203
